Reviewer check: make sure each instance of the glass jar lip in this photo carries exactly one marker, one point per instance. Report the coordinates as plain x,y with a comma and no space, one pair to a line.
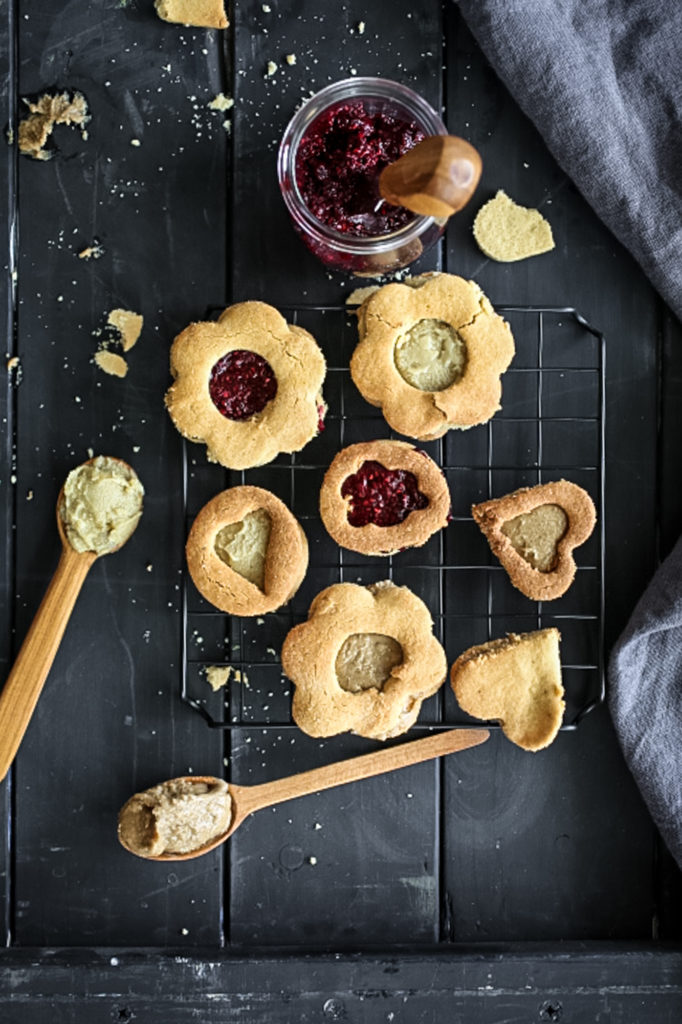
382,88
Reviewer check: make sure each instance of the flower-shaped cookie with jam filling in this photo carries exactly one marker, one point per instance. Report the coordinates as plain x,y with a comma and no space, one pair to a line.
533,532
246,552
248,386
431,356
363,662
379,497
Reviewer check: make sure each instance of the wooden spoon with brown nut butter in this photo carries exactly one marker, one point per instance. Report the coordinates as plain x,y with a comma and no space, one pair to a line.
30,670
247,800
435,179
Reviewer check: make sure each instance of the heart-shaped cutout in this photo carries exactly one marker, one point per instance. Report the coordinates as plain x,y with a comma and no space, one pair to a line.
517,682
244,546
533,532
536,535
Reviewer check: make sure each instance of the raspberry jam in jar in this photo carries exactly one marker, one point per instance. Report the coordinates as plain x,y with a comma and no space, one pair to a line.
330,159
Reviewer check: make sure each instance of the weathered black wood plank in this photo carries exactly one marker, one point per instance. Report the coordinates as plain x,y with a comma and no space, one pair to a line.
585,984
10,379
374,871
110,721
563,834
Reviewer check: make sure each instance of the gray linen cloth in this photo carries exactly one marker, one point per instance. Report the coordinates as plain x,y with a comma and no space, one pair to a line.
602,81
645,698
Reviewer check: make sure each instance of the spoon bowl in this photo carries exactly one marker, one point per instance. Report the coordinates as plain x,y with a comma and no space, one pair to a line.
435,179
247,800
30,670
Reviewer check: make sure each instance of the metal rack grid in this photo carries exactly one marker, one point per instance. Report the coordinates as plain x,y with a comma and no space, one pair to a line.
551,425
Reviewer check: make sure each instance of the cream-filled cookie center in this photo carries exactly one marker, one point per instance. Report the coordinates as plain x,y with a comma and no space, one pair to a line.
365,660
431,355
244,545
535,535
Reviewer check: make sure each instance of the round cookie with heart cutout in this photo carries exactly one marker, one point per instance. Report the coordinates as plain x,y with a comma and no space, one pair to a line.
379,497
246,552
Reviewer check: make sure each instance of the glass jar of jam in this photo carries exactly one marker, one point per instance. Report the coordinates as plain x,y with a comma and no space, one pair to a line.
329,163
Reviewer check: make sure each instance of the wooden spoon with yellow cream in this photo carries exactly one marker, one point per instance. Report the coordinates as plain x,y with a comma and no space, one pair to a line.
186,817
98,508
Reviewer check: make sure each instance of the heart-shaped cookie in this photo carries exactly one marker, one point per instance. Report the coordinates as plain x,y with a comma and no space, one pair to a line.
533,532
517,682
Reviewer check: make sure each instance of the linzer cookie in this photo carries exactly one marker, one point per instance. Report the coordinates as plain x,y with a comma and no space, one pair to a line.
379,497
246,552
533,532
249,386
363,662
431,356
516,681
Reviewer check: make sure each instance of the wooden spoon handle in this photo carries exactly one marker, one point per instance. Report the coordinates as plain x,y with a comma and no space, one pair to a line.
29,672
252,798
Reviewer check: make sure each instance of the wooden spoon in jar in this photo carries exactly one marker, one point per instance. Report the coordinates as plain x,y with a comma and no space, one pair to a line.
30,670
435,179
247,800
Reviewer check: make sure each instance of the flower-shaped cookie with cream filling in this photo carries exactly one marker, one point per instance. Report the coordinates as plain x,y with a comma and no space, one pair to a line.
431,356
363,662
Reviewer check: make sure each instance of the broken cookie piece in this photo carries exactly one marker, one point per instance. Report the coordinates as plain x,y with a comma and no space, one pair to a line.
128,325
507,232
111,363
198,13
533,532
517,682
46,112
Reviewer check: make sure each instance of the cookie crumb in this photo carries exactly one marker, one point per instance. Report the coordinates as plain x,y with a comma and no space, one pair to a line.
92,252
46,112
290,59
218,676
270,69
312,861
359,295
221,102
128,325
266,8
111,363
29,496
135,142
360,28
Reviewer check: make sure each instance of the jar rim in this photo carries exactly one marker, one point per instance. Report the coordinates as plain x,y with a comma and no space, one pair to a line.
359,87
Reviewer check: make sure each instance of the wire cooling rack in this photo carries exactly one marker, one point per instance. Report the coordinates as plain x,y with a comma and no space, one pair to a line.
551,426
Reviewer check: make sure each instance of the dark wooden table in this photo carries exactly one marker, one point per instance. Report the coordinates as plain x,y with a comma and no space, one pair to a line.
499,886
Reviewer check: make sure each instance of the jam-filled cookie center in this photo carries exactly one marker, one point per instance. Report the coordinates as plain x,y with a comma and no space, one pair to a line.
536,534
381,496
241,384
365,660
244,545
431,355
